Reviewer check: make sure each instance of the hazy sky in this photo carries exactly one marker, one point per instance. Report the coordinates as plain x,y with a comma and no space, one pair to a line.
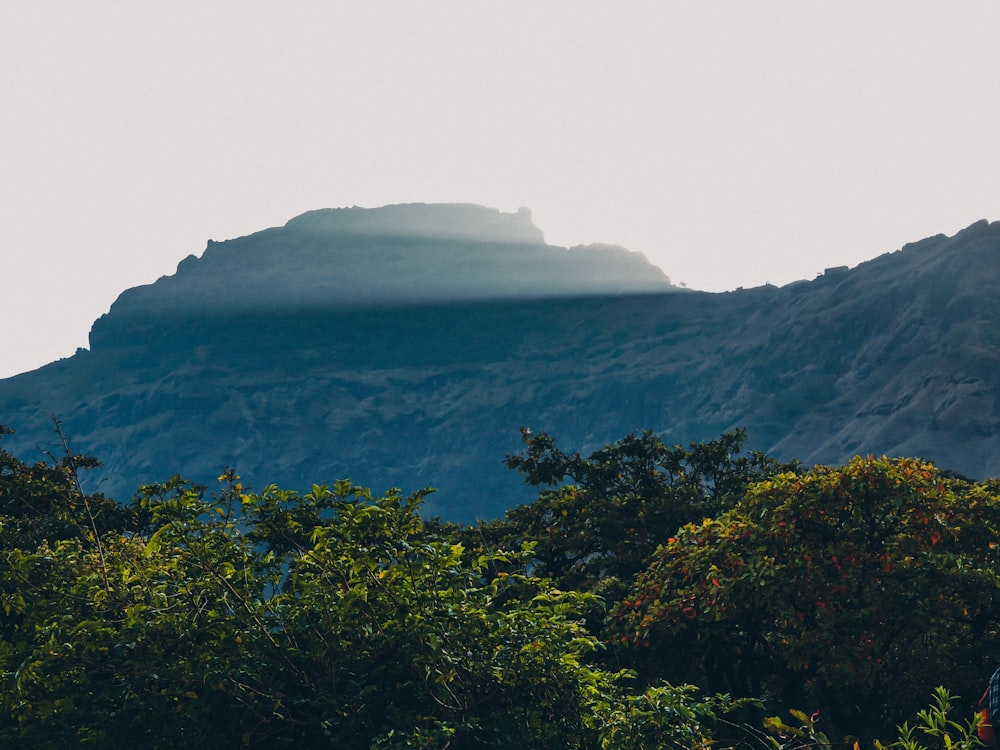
734,143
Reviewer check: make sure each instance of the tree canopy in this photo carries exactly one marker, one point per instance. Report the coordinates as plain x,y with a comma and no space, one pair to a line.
652,597
334,618
853,588
599,518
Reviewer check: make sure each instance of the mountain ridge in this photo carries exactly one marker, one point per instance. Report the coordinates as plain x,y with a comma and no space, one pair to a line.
398,255
898,355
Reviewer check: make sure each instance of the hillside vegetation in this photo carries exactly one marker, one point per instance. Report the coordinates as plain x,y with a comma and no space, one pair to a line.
651,596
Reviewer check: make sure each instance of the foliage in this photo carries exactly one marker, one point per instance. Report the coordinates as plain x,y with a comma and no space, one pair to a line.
341,618
853,587
936,726
42,508
42,501
804,733
622,502
333,618
662,716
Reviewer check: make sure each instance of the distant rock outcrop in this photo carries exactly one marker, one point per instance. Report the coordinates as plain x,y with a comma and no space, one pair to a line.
405,346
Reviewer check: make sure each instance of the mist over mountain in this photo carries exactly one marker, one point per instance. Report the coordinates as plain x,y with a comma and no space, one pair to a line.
405,346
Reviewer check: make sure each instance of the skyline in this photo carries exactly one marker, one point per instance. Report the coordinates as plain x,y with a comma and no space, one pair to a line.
731,145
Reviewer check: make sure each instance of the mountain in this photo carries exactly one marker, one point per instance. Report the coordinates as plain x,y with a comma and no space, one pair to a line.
391,257
405,346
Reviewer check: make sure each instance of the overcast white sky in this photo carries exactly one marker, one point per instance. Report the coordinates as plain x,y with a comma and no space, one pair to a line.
734,143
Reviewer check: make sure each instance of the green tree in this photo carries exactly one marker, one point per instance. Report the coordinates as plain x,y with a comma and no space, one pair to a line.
936,728
330,619
599,529
42,507
853,588
139,641
43,500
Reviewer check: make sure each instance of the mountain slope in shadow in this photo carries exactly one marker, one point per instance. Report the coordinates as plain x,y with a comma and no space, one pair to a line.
405,346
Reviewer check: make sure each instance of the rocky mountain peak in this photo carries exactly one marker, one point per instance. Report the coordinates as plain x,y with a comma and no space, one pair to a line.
394,256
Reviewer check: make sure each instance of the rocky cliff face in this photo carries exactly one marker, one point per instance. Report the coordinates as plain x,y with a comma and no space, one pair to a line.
350,343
